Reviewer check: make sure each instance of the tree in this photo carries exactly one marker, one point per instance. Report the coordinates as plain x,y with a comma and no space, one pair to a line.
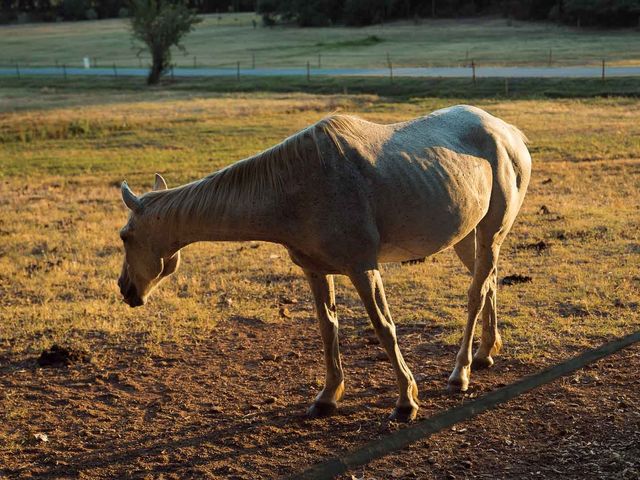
160,25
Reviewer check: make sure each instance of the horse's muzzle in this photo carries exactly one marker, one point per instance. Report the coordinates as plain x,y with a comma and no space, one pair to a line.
129,293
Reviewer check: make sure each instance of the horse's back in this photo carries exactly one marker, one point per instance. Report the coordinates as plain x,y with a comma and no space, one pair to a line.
431,178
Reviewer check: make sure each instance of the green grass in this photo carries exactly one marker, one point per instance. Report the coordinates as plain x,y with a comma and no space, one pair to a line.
229,38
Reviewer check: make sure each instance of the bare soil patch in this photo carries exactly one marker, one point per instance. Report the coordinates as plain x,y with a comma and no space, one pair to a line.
233,407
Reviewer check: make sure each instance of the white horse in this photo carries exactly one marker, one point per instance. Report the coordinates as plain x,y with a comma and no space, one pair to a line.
343,196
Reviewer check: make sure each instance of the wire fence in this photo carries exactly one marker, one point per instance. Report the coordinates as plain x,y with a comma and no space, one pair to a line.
320,66
252,59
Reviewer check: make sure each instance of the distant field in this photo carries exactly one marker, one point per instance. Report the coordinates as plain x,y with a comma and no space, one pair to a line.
229,38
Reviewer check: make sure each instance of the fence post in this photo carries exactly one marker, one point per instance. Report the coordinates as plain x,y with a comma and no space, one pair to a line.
603,67
238,71
17,69
115,70
195,61
550,56
390,67
473,70
319,60
95,62
172,72
139,62
506,87
253,60
308,72
64,70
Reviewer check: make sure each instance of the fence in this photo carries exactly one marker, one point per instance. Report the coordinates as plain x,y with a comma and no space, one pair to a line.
322,67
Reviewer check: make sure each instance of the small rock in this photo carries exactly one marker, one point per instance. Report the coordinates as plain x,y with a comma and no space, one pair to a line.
515,279
288,300
372,340
43,437
225,301
415,261
270,400
285,313
538,246
397,473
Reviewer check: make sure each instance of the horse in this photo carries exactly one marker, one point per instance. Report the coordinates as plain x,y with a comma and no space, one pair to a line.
342,196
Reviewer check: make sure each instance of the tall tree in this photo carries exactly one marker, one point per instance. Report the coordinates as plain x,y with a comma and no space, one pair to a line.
160,25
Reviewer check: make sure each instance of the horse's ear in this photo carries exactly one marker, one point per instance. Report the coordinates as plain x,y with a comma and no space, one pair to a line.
160,183
130,199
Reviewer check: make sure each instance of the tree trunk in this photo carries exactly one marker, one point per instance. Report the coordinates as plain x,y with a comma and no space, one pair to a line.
157,67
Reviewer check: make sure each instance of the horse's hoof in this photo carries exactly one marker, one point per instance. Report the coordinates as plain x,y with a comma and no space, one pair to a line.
404,414
480,363
459,380
457,386
319,410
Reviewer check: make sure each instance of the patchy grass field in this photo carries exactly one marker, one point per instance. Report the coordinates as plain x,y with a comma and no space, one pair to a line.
211,368
228,38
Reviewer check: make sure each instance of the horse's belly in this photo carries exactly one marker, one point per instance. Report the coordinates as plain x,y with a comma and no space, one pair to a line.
421,217
422,243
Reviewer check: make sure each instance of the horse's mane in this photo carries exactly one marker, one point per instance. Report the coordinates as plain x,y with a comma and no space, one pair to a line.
260,176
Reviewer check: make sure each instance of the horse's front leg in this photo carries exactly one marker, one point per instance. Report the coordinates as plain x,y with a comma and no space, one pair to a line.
325,301
369,286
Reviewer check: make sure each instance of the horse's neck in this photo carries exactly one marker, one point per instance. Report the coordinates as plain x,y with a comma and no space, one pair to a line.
235,217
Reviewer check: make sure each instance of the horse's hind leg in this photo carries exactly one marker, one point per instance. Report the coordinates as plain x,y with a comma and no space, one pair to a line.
491,341
325,302
510,181
484,274
368,283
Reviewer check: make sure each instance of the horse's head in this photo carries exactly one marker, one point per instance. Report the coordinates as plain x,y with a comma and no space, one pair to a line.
146,261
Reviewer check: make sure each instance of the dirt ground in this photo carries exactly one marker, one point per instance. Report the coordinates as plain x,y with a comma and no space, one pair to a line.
233,407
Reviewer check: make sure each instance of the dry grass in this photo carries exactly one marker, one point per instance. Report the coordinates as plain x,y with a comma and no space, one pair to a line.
60,211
